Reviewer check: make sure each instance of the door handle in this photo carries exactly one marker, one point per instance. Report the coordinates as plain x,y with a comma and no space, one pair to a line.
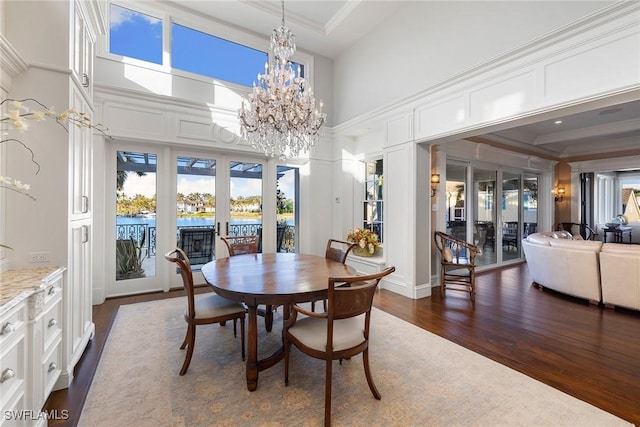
227,229
218,229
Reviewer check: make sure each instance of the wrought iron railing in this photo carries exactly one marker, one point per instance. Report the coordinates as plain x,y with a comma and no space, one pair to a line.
286,234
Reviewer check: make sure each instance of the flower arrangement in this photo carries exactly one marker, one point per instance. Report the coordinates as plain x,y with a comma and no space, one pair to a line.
19,116
366,240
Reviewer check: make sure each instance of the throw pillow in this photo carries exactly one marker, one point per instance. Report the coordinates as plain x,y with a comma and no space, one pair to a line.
447,255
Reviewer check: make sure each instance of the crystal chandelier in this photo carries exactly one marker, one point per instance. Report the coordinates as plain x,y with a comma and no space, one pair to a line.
280,116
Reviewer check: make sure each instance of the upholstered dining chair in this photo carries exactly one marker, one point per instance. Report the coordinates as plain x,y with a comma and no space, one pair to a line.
457,264
205,309
337,250
239,245
340,333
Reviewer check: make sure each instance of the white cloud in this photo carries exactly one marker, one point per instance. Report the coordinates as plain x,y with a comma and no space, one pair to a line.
120,15
144,185
196,184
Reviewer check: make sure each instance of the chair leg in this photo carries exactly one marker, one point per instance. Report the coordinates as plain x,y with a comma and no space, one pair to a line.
367,373
192,340
287,351
327,393
186,339
324,305
235,331
241,335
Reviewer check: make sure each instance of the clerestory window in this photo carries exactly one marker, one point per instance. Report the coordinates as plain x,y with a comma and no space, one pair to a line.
139,35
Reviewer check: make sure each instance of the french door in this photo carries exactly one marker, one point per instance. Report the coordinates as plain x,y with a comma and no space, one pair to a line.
167,198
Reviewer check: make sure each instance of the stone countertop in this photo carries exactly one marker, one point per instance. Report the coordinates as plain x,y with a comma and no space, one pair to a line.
18,285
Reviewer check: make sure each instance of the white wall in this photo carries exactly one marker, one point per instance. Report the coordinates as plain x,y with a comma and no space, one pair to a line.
426,42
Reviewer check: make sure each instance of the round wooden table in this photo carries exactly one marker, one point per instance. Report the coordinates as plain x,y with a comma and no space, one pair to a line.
271,279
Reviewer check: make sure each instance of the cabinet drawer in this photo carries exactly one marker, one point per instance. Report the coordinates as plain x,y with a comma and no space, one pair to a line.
13,413
12,369
53,290
12,325
52,319
51,368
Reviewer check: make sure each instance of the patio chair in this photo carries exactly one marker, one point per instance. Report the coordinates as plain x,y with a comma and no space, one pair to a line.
457,264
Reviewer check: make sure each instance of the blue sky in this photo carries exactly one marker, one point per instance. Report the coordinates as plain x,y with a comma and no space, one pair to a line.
146,185
139,36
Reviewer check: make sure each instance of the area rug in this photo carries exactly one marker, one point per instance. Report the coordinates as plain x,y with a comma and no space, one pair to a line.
424,380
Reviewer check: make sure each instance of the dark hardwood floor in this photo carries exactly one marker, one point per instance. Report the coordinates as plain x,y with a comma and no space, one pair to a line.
584,350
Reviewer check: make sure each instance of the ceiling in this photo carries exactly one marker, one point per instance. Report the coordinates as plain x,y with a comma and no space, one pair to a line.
329,27
603,129
323,27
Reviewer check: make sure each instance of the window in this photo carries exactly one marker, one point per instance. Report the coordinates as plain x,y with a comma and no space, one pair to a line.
630,196
211,56
373,204
135,35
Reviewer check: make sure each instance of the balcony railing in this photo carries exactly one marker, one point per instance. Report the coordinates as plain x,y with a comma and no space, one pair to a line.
286,234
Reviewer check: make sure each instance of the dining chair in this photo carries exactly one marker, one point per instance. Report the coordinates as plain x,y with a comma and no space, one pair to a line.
205,309
337,250
239,245
340,333
457,264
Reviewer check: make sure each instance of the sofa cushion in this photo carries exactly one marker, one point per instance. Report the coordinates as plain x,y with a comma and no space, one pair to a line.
621,248
580,245
538,238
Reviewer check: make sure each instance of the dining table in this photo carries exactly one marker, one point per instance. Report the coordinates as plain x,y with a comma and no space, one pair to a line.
270,279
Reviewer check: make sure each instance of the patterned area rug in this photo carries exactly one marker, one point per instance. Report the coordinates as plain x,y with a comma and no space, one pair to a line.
424,380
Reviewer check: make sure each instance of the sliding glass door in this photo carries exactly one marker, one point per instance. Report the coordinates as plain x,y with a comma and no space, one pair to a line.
510,216
491,208
484,188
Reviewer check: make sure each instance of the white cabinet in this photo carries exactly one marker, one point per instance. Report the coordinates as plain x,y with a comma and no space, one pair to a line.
13,357
80,158
82,50
77,306
32,327
45,331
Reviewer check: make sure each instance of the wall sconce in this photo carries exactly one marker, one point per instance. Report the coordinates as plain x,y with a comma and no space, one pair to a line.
559,194
435,180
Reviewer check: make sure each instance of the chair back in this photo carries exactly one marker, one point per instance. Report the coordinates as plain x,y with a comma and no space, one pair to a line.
178,257
238,245
353,296
197,244
455,251
337,250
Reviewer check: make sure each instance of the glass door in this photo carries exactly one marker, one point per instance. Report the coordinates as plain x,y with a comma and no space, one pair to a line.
456,213
196,208
135,256
512,229
245,200
530,204
484,189
287,189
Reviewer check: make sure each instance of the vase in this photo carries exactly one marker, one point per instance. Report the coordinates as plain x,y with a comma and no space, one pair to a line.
362,252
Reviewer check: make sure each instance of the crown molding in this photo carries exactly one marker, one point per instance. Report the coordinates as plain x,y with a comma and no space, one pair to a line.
11,63
593,27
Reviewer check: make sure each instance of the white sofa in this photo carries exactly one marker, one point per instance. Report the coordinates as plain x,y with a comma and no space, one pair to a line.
602,273
620,275
557,261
